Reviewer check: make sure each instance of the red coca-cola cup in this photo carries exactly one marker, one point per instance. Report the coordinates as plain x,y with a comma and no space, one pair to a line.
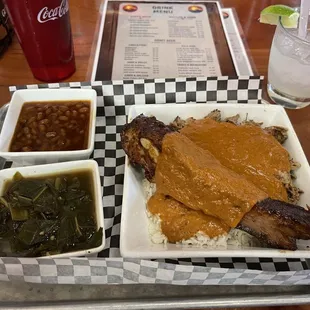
44,33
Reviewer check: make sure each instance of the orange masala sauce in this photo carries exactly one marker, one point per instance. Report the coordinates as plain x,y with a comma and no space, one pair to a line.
247,150
211,174
180,223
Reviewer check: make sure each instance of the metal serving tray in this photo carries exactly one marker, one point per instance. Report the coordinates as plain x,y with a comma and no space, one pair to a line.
95,297
21,295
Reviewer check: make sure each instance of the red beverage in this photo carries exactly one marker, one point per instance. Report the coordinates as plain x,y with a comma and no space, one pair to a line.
44,33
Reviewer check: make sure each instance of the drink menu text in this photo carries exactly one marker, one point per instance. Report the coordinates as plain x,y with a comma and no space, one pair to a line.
164,40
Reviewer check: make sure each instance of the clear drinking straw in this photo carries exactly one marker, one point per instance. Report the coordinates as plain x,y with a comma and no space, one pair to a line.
303,18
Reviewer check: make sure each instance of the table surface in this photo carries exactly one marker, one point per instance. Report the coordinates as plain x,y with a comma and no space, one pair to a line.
85,18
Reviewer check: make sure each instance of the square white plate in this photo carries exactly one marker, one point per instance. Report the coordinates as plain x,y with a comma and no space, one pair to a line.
134,238
43,95
58,168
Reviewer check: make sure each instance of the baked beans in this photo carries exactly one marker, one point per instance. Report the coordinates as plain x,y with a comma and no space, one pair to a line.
52,126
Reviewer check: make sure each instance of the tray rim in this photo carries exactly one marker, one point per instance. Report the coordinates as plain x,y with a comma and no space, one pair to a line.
244,296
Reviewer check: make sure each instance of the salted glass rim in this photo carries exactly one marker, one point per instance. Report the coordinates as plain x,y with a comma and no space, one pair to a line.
290,34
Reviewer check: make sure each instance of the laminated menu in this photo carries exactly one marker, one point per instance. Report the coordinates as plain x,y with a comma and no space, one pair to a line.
163,40
147,40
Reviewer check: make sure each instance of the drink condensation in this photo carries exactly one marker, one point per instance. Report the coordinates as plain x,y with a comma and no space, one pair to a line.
289,69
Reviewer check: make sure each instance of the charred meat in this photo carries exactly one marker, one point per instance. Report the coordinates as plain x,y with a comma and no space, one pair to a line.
280,133
276,223
141,140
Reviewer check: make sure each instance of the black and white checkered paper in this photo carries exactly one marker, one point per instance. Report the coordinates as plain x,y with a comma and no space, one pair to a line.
113,101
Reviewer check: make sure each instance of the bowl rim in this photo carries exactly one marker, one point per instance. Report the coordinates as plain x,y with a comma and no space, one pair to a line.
71,166
40,154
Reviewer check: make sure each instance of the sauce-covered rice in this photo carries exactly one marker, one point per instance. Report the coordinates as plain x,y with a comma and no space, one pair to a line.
235,238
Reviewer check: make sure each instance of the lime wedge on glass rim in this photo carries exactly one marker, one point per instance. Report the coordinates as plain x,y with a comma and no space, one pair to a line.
270,15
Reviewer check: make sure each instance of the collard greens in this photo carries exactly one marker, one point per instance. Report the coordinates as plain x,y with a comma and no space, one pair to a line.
52,215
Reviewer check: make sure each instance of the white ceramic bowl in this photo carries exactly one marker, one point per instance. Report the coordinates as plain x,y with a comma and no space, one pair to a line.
35,158
57,168
134,239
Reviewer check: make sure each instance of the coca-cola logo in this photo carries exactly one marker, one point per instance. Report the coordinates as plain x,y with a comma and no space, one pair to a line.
47,14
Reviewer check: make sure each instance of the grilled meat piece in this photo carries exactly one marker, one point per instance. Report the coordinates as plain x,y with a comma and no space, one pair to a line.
293,192
233,119
294,165
280,133
141,140
275,223
215,115
178,123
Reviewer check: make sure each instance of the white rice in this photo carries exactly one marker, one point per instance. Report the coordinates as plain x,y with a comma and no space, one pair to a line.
154,226
235,238
149,189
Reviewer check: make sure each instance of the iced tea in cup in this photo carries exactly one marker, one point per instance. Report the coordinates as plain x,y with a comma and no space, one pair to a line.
44,32
289,68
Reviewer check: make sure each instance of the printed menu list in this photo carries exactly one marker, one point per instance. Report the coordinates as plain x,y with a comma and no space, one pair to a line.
164,40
